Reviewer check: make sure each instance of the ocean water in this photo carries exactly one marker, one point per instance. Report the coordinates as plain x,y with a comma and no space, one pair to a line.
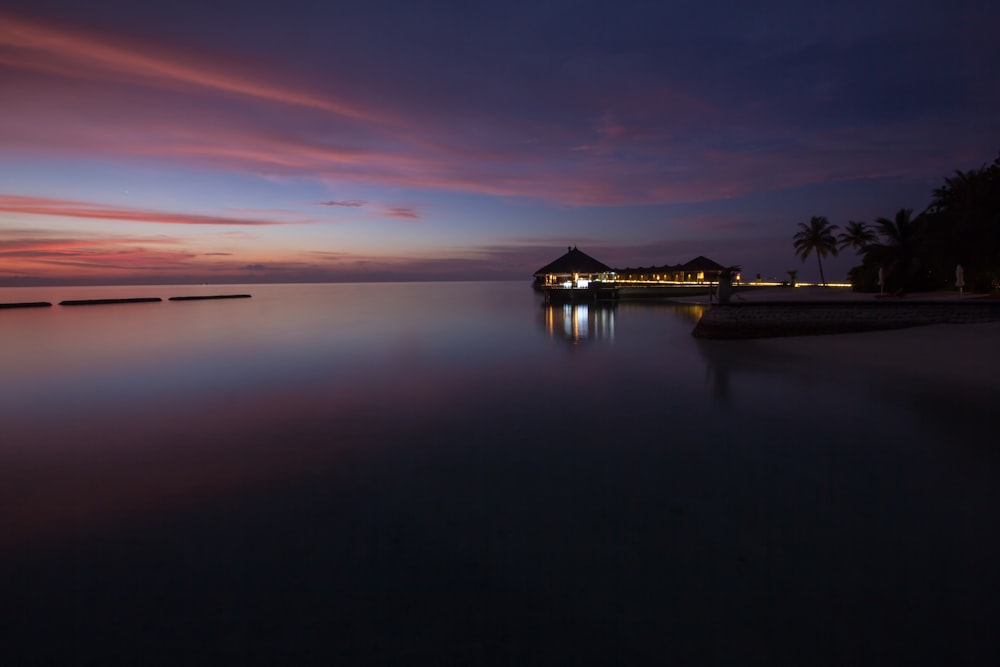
454,473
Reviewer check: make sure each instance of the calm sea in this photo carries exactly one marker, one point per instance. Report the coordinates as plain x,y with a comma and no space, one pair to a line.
453,473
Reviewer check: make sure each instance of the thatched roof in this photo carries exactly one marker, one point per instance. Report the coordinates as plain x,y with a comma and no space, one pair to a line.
574,261
696,265
702,263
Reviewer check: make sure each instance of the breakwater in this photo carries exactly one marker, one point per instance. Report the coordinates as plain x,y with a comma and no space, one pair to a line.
597,292
27,304
99,302
209,297
769,320
102,302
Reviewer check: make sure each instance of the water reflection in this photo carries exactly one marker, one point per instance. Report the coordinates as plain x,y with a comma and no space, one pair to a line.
687,312
365,453
726,359
717,375
861,374
579,322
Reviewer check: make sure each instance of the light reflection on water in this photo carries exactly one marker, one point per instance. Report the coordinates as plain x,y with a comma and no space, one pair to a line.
429,447
579,322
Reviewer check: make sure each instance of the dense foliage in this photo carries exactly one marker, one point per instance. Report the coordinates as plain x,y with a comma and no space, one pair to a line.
960,226
963,227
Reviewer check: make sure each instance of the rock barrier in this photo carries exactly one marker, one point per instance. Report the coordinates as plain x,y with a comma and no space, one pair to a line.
27,304
769,320
213,296
99,302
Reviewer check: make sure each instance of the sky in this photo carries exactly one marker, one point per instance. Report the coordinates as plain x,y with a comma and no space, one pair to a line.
233,142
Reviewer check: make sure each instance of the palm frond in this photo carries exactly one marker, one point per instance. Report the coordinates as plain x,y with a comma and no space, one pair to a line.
817,236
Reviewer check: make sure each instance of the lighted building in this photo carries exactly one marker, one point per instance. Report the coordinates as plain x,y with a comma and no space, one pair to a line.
574,269
577,269
700,269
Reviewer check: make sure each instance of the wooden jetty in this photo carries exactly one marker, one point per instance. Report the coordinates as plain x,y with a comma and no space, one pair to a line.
594,292
598,292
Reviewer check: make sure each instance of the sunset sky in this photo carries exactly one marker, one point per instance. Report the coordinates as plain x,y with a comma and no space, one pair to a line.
234,141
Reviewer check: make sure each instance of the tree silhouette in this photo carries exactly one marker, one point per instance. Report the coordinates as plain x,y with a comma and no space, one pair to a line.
816,237
857,235
964,215
961,225
962,192
898,247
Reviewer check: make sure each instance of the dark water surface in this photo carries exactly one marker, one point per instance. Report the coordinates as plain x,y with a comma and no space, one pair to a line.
453,474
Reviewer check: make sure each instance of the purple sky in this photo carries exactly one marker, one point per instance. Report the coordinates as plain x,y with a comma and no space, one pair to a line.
303,141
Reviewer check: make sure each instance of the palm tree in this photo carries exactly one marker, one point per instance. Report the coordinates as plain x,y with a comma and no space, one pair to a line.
816,236
962,191
857,235
730,272
963,216
897,248
726,277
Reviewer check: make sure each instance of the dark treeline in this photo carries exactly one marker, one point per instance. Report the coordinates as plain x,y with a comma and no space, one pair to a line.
960,226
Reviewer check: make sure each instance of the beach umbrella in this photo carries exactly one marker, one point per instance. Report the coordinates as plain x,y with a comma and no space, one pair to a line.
959,278
881,280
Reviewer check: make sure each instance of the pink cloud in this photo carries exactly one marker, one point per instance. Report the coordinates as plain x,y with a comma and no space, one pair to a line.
405,212
350,203
426,156
53,255
45,206
637,144
53,49
88,257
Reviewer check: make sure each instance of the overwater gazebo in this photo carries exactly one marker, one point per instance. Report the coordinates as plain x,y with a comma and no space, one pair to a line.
575,267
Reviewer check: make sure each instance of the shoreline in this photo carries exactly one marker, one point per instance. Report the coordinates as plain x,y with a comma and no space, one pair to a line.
808,312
